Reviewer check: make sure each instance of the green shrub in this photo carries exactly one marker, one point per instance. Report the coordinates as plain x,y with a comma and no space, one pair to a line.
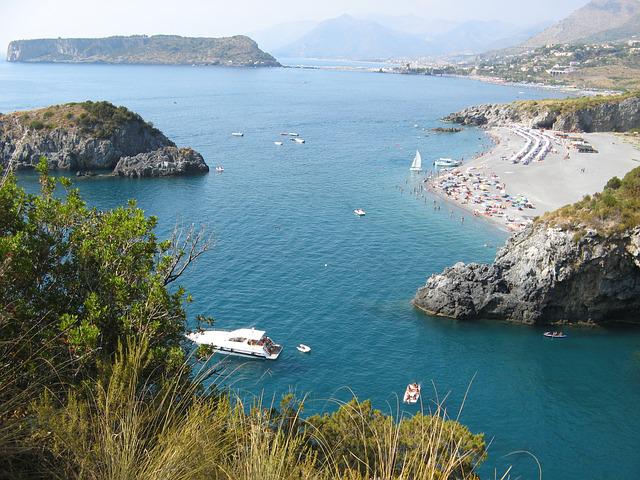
613,184
36,125
615,209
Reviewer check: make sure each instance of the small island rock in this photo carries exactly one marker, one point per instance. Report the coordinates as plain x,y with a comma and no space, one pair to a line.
167,161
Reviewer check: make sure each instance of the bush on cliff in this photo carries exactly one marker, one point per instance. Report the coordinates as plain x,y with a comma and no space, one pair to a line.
614,210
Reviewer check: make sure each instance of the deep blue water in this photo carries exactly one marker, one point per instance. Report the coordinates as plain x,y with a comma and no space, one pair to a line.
291,257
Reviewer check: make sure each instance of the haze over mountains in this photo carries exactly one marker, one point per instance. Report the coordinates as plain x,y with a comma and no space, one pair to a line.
378,37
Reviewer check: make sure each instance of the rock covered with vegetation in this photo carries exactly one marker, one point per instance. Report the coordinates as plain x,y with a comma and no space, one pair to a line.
238,51
580,263
87,136
97,381
614,113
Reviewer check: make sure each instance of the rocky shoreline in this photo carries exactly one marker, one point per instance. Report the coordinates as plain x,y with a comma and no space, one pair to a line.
88,136
600,114
544,275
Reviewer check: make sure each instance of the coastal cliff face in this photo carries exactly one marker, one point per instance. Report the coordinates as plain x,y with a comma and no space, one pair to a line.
544,275
605,115
87,136
238,51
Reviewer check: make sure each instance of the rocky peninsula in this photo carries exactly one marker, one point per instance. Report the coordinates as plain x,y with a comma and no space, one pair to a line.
90,136
236,51
578,264
612,113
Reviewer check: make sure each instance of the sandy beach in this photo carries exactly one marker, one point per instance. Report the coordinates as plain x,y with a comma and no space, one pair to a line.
530,172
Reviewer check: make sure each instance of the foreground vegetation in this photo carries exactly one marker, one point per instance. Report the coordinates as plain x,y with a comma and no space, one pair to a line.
95,381
614,210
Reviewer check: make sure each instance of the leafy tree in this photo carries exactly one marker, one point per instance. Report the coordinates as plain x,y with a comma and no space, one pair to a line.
84,280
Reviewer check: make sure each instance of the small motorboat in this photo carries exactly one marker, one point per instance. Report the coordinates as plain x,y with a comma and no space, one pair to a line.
298,140
294,134
278,143
555,335
238,134
243,342
447,163
219,169
412,393
303,348
359,212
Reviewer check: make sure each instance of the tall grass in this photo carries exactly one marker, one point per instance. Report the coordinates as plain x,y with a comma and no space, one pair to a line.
123,428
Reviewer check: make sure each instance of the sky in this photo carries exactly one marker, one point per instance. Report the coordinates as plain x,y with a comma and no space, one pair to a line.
23,19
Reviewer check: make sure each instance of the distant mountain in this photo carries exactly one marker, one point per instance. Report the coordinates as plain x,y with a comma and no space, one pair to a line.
427,28
278,36
481,36
604,20
402,37
158,49
353,38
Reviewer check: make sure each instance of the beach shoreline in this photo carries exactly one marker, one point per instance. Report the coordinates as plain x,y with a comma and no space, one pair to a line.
510,192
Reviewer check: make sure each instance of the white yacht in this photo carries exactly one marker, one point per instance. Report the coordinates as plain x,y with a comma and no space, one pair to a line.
416,166
359,212
243,342
219,169
278,143
294,134
447,163
298,140
238,134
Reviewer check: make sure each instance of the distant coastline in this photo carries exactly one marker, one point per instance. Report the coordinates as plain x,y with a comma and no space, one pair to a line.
236,51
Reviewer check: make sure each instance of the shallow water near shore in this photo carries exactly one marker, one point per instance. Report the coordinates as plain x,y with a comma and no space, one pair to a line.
290,256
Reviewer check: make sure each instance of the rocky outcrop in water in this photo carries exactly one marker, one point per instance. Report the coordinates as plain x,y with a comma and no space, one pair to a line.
91,136
544,275
613,115
167,161
237,51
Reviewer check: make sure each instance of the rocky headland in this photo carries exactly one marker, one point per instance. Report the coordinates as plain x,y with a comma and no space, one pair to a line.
614,113
236,51
579,264
88,136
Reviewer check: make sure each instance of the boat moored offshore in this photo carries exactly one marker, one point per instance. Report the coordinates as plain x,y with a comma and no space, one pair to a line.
298,140
447,163
416,165
243,342
238,134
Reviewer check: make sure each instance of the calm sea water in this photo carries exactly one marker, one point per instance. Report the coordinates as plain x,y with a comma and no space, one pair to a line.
291,257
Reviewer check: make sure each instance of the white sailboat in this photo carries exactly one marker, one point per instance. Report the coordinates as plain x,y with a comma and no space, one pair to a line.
416,166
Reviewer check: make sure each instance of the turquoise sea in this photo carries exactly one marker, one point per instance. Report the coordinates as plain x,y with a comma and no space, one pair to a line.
290,257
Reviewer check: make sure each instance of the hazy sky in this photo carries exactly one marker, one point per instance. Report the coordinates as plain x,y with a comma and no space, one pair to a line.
21,19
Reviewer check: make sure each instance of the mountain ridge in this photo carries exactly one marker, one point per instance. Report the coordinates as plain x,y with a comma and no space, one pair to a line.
597,19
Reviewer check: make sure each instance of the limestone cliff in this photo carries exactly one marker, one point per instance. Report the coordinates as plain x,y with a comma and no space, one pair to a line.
237,51
83,136
598,114
544,275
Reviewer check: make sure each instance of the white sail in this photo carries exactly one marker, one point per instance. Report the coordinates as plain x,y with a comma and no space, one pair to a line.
416,166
